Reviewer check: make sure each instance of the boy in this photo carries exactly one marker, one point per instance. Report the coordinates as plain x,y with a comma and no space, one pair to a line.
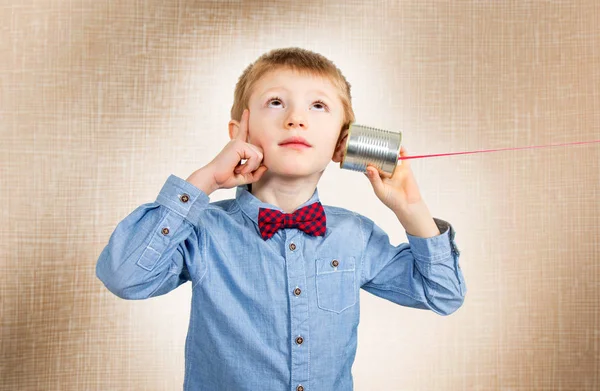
275,293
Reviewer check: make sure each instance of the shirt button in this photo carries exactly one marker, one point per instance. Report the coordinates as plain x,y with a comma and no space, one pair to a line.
299,340
184,198
165,231
300,388
292,246
335,263
297,291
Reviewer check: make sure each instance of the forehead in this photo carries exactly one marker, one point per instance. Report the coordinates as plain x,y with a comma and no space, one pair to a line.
293,80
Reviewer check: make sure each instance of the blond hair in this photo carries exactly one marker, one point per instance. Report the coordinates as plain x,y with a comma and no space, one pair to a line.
297,59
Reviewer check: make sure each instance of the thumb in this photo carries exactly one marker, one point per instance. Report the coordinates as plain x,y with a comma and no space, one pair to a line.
375,180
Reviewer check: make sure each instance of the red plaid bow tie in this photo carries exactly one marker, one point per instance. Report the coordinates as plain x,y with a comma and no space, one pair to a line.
310,219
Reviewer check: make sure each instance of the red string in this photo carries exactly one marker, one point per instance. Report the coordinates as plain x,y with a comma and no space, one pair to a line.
495,150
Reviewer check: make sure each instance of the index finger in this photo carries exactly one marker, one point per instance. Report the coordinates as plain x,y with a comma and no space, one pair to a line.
404,153
243,133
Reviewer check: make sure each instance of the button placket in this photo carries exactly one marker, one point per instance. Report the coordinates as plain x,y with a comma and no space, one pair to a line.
296,279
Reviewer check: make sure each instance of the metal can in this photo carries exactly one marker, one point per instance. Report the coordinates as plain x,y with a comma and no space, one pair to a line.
366,145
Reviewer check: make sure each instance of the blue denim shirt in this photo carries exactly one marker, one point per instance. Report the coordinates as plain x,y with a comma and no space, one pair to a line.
275,314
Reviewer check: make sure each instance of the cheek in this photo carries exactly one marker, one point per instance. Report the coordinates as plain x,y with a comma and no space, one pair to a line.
332,138
265,126
254,134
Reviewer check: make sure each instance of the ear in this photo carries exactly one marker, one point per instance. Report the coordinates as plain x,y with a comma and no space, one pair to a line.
234,128
340,147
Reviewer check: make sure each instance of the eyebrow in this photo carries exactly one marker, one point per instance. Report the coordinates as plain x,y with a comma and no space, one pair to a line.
317,91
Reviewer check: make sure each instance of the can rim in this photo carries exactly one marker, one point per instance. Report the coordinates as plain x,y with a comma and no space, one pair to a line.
346,146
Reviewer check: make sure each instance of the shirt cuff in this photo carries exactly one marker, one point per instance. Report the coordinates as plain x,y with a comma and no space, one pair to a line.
436,248
183,198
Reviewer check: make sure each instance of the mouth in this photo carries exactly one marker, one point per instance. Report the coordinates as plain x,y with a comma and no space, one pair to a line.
295,142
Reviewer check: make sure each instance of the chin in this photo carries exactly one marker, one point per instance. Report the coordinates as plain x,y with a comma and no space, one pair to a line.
296,172
288,170
295,168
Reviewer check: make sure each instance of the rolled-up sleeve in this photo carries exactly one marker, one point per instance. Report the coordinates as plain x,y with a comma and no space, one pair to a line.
423,273
157,247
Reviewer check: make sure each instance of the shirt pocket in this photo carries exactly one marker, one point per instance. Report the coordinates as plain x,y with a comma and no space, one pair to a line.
336,281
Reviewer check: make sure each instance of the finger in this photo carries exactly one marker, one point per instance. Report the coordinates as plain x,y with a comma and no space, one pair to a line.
256,175
258,158
375,179
404,153
256,149
245,152
402,169
383,174
238,169
253,162
243,131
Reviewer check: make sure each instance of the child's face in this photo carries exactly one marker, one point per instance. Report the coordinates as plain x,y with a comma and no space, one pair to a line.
285,103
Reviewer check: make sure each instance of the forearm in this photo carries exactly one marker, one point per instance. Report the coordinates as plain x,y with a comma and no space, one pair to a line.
418,221
203,179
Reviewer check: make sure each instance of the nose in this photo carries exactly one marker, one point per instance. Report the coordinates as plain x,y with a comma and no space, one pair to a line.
296,120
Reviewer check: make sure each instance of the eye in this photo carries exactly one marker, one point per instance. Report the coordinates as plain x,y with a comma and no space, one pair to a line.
274,102
320,105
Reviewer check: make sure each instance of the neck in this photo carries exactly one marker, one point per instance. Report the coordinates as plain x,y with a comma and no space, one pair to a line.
285,193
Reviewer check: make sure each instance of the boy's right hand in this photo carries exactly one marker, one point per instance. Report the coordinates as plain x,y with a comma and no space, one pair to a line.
226,170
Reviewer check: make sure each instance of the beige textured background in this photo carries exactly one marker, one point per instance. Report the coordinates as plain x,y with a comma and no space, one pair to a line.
101,100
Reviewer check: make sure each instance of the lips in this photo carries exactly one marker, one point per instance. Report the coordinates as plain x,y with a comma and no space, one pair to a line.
295,141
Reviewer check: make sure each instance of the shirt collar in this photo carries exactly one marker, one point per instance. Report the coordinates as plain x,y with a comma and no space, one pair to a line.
250,204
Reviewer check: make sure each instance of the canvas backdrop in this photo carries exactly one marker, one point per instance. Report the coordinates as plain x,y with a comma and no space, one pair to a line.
101,100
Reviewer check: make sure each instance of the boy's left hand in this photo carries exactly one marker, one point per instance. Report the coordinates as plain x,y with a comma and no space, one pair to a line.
400,192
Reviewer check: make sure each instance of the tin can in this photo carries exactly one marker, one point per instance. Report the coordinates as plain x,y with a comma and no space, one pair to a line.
366,145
